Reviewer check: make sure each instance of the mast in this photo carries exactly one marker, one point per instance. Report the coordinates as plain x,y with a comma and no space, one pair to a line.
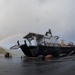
49,32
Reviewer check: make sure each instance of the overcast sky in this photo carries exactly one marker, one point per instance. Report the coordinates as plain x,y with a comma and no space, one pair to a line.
23,16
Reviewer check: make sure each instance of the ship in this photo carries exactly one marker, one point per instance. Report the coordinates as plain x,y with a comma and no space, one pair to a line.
36,45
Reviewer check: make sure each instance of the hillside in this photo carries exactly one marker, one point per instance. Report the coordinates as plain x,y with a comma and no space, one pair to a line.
2,51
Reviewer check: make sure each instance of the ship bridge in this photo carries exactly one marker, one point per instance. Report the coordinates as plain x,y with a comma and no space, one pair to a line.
40,39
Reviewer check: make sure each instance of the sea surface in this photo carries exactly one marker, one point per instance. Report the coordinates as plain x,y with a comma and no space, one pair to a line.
21,66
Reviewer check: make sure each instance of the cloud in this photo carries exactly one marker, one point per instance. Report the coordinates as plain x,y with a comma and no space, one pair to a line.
23,16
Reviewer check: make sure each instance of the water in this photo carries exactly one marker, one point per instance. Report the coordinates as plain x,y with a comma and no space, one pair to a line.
18,66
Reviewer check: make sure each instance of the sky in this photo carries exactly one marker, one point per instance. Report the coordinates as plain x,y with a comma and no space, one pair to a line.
24,16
